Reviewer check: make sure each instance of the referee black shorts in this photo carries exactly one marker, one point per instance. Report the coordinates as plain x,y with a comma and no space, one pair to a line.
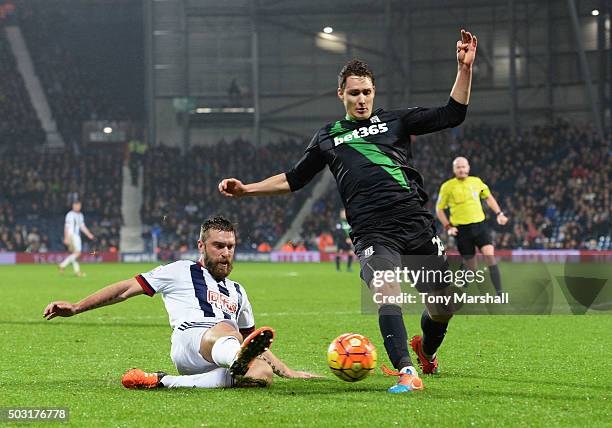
472,236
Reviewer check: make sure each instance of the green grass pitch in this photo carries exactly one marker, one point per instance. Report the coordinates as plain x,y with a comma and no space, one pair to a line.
497,370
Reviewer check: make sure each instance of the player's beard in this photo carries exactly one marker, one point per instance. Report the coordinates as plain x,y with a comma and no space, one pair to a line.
217,269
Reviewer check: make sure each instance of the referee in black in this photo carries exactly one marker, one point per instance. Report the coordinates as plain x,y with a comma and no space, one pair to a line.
368,152
462,195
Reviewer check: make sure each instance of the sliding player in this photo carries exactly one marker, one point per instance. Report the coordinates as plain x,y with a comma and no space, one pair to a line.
209,313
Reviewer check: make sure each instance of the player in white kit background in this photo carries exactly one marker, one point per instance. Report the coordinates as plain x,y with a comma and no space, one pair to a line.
73,226
209,314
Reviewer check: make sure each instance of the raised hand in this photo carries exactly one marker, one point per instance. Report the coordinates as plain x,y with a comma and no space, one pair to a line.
466,48
232,188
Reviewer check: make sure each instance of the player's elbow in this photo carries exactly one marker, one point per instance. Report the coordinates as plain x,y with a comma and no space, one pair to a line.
456,119
455,113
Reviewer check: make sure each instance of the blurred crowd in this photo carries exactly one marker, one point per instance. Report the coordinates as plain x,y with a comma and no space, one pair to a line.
552,182
36,191
19,123
180,190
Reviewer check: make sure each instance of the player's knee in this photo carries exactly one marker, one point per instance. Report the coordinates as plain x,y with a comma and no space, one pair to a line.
220,330
441,318
488,250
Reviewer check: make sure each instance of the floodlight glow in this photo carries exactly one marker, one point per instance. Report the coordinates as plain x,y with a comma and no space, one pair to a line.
328,30
107,130
595,12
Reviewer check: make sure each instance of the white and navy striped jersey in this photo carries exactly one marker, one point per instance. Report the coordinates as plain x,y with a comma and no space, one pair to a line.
193,297
74,221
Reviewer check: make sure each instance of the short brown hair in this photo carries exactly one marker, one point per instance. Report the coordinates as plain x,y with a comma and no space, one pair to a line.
216,223
354,67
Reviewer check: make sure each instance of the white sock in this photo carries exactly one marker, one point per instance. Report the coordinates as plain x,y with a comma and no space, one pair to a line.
67,260
217,378
409,369
224,351
76,266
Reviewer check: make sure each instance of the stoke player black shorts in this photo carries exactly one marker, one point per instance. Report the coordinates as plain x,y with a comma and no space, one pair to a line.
429,256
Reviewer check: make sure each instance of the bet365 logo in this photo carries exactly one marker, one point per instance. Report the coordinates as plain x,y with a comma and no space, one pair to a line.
362,132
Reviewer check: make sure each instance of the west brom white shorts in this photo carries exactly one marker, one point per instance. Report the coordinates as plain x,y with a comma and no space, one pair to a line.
77,245
185,350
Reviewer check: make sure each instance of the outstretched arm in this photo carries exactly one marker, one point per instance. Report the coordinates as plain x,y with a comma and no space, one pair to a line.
275,185
297,177
281,369
466,54
112,294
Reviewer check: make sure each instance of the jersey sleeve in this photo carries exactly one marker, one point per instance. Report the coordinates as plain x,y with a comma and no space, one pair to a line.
311,163
420,120
484,190
158,280
442,198
245,318
67,219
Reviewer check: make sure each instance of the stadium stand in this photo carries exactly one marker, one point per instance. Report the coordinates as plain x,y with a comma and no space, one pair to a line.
85,78
181,189
35,192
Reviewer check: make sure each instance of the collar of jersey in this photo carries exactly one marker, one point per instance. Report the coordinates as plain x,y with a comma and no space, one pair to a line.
350,119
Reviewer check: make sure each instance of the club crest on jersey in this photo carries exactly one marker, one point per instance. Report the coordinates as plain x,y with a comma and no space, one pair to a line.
221,301
374,119
364,131
368,252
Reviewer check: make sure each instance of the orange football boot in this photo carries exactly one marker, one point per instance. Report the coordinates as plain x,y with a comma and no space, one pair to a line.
137,379
253,346
428,367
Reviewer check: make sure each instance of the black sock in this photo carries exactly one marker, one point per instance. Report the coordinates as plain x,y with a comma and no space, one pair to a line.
433,333
495,278
349,262
337,262
394,334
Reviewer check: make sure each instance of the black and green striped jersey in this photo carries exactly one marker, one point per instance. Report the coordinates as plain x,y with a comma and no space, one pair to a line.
370,160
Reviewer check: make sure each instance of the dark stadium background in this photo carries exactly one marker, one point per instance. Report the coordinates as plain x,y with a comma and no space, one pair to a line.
140,107
175,95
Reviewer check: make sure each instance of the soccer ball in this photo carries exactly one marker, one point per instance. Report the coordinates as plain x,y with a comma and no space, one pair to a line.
351,357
